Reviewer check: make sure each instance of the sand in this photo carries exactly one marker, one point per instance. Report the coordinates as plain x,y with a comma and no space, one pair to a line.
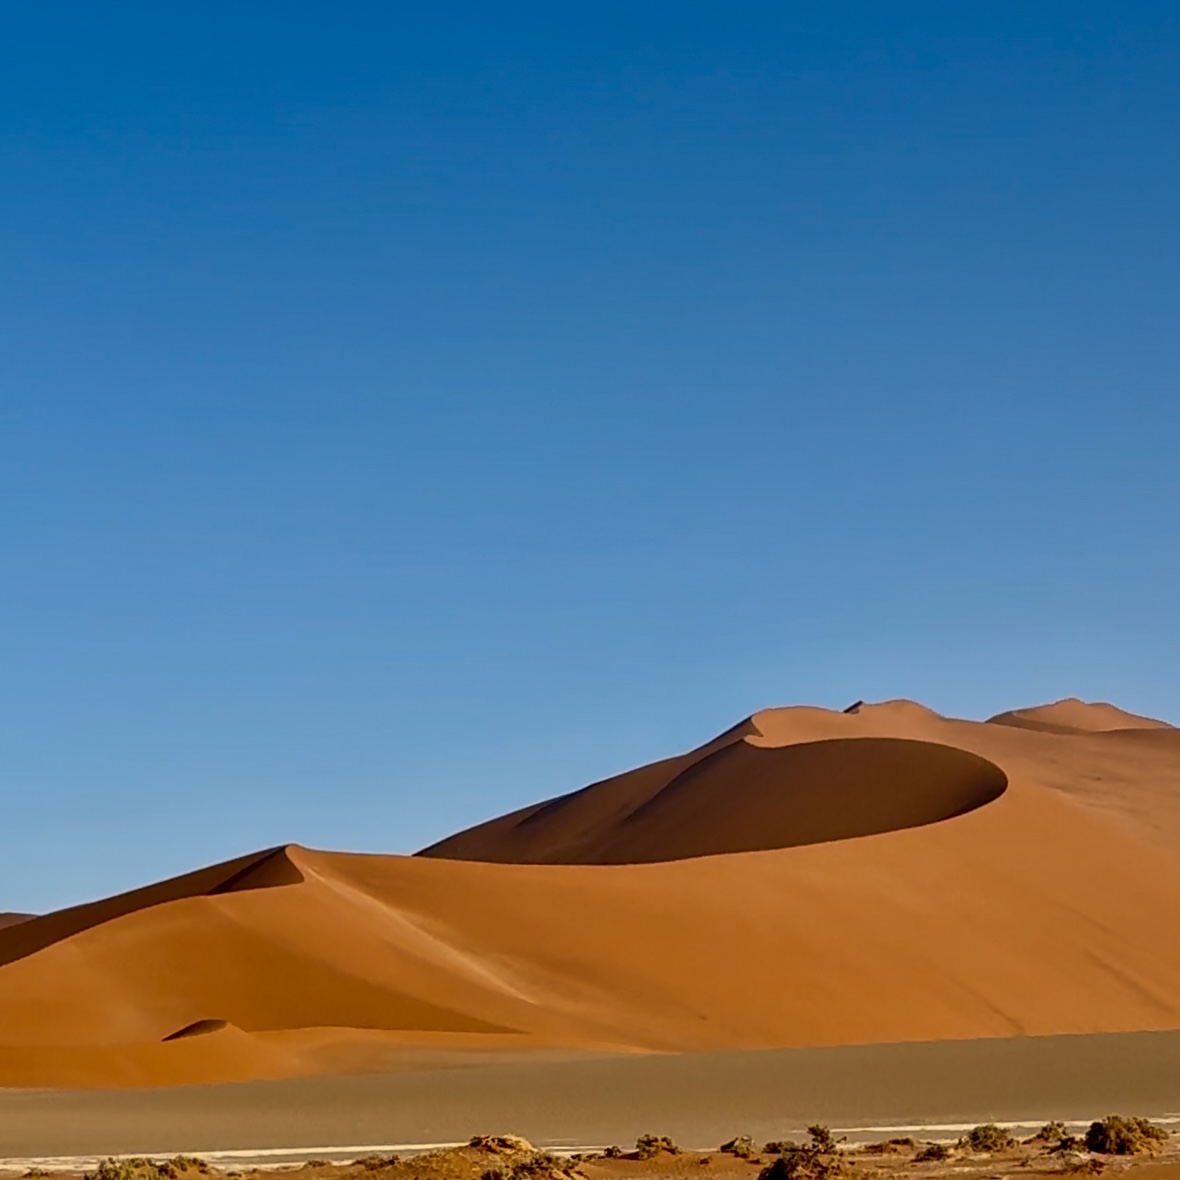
809,878
578,1100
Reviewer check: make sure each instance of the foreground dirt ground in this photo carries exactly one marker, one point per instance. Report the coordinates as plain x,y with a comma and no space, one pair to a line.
982,1153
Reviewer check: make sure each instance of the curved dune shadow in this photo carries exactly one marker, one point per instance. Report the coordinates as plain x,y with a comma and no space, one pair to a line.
198,1028
744,798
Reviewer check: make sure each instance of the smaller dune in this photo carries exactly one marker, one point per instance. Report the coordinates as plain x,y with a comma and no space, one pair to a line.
197,1028
1072,715
259,870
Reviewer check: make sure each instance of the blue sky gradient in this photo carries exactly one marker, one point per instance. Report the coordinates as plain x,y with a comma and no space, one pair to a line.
408,412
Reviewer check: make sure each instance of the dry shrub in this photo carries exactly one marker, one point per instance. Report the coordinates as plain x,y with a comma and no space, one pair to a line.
987,1137
1124,1135
1052,1132
500,1144
933,1153
890,1146
647,1147
822,1139
742,1146
817,1160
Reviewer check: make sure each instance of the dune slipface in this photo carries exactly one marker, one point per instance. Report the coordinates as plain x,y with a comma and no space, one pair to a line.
742,798
807,878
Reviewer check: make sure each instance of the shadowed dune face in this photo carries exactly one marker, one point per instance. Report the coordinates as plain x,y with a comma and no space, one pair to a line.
198,1028
259,870
742,798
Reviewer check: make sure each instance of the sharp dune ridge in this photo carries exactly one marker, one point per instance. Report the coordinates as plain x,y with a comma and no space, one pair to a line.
809,877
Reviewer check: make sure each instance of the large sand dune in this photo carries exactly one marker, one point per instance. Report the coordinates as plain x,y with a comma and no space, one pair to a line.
808,878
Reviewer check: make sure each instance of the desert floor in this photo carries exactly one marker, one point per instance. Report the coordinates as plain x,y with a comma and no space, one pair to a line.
584,1100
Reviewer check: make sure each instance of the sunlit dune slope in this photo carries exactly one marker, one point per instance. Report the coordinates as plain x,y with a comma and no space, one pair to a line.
1074,716
901,892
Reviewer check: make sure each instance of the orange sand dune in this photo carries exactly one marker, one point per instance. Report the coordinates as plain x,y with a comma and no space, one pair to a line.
1074,716
1130,773
742,797
808,878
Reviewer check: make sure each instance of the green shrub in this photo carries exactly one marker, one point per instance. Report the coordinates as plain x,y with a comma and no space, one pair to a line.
987,1137
1119,1135
778,1146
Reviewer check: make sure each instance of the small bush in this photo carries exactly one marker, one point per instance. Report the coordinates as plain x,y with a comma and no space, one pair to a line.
1052,1132
612,1153
374,1163
890,1146
932,1153
131,1168
647,1147
806,1162
742,1146
500,1144
1119,1135
987,1137
778,1146
822,1139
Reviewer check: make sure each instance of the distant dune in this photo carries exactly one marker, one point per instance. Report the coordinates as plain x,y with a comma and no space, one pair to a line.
1074,716
808,878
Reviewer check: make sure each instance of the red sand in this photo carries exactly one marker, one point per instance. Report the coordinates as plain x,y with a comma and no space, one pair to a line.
894,890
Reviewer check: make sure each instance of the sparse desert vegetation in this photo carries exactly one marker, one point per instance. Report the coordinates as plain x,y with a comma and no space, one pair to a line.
986,1152
1117,1135
987,1138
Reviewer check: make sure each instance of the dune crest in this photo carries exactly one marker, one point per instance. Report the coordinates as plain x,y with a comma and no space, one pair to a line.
259,870
1072,715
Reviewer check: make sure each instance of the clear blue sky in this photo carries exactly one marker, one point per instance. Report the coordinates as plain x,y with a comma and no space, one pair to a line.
411,411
